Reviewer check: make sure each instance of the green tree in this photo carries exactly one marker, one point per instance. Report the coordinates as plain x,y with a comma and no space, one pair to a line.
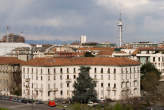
150,77
89,54
147,68
84,87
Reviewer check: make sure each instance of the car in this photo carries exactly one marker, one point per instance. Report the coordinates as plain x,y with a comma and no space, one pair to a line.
38,102
24,101
52,103
91,104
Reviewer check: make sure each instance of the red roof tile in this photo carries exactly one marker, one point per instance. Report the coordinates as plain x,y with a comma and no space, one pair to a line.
104,61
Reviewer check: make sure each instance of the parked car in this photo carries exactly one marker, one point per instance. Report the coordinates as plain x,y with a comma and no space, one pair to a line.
38,102
52,103
91,104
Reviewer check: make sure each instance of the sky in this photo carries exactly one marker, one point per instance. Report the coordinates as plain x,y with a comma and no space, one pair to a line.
97,19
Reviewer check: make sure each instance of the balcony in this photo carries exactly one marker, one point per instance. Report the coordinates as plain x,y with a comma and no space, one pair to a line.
27,79
53,90
68,80
95,79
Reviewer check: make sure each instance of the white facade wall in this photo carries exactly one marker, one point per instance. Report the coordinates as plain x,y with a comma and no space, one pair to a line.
48,83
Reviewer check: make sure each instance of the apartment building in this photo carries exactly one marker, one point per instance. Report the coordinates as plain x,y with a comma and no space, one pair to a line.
53,78
10,75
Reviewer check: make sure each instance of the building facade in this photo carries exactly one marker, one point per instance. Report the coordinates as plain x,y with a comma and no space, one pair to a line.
53,78
10,75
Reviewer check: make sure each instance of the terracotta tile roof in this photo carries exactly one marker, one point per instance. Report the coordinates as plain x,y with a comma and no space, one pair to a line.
70,53
104,61
106,52
10,60
96,48
135,52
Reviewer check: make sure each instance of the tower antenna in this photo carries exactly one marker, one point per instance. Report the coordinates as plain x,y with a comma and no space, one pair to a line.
120,25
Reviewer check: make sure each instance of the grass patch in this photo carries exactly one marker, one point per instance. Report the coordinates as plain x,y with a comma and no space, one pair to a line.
4,109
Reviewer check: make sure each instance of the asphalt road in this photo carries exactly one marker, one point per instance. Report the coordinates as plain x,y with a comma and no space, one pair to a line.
20,106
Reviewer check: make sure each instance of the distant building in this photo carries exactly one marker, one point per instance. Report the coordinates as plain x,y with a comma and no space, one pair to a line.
6,48
13,38
141,44
153,55
83,39
53,78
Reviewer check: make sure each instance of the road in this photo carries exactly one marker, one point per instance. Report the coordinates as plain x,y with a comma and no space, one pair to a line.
20,106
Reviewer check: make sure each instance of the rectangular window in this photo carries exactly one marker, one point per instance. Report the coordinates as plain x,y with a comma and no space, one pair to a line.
48,71
74,70
54,70
102,84
74,76
61,70
67,70
67,84
108,70
95,70
67,76
101,70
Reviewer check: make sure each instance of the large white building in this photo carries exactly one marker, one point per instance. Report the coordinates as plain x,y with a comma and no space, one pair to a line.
52,78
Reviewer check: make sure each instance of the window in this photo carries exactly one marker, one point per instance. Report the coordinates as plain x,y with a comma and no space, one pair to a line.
74,70
32,70
41,78
108,70
101,70
61,92
67,70
153,59
101,77
95,70
114,71
41,71
102,84
67,76
48,71
49,93
108,77
67,84
61,70
74,76
54,70
108,84
114,86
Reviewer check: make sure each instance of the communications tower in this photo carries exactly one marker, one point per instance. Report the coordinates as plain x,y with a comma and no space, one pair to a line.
120,25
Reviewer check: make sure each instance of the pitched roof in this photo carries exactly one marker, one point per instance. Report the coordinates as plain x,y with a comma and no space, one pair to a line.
104,61
96,48
10,60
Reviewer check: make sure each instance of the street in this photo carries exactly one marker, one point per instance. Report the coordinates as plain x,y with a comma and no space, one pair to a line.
20,106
